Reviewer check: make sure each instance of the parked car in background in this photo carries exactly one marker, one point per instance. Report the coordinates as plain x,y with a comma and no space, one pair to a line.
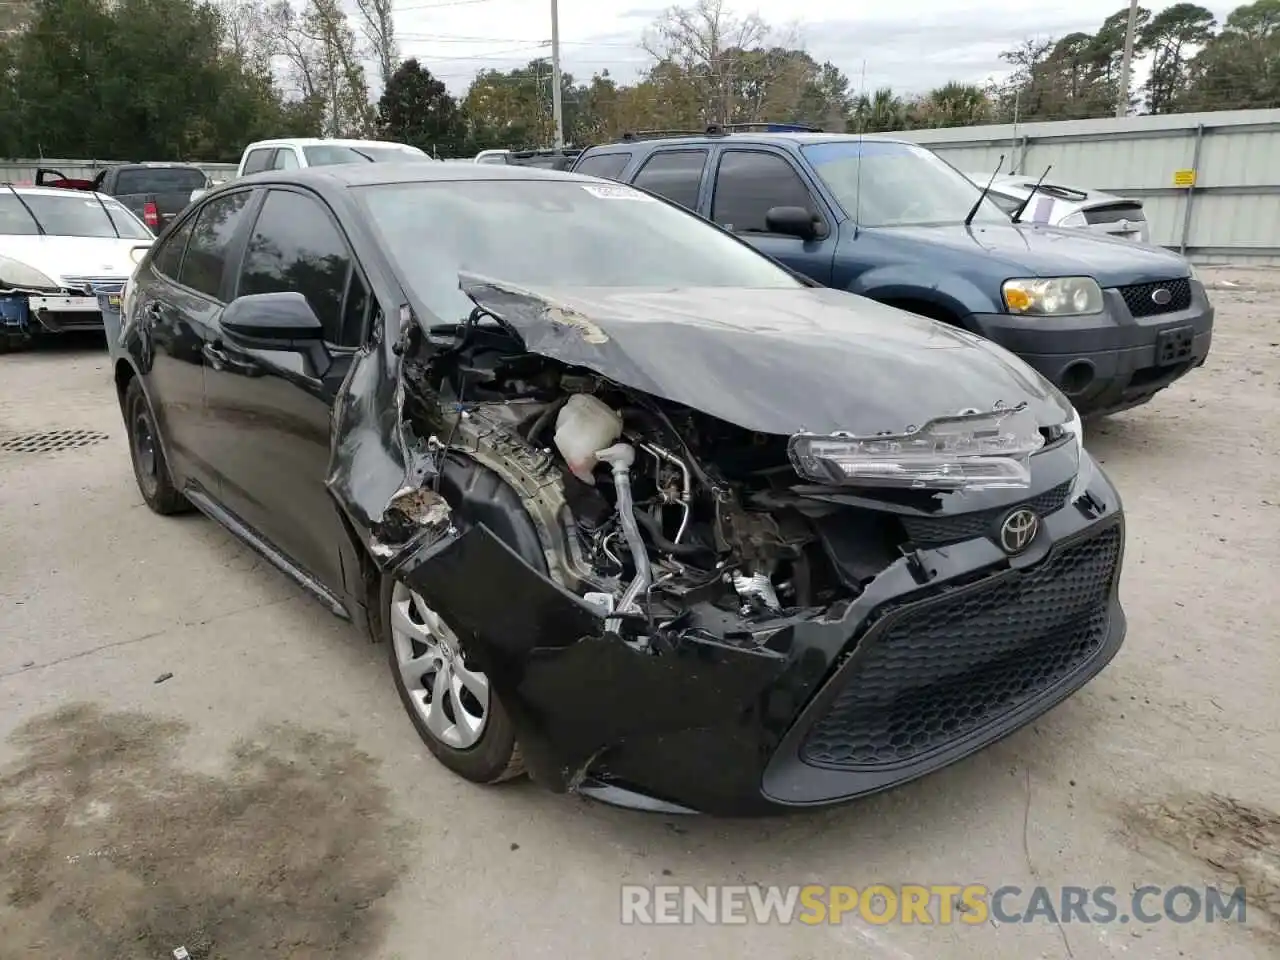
303,152
1059,205
1108,322
56,245
156,192
629,506
551,159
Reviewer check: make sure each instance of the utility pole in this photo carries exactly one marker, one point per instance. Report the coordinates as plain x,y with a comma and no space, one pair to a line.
557,108
1122,100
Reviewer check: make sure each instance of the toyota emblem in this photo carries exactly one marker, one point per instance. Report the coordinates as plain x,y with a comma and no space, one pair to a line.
1161,296
1018,530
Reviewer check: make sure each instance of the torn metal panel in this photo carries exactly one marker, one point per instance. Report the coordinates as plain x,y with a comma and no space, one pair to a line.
572,690
375,456
772,361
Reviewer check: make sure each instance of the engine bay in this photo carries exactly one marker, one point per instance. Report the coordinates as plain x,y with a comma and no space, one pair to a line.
653,512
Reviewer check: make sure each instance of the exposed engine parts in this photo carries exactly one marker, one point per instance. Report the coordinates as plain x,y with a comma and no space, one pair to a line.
649,511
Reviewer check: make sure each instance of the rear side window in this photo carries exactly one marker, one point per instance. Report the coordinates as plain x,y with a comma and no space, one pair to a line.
258,160
159,180
168,258
748,183
607,165
296,247
215,226
674,174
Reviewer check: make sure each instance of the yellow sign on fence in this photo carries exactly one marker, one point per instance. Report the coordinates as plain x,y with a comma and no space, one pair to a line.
1184,178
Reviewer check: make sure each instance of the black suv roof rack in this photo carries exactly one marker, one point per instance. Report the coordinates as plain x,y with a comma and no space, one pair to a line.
722,129
545,152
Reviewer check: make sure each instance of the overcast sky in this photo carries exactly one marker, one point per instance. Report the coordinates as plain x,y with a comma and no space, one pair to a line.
912,46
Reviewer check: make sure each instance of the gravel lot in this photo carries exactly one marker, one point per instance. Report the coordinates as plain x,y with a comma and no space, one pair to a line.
269,799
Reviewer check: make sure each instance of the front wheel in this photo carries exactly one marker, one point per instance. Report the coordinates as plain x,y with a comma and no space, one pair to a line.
452,706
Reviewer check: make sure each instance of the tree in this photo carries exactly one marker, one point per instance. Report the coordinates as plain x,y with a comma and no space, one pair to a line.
379,30
1169,37
705,42
132,79
416,108
1240,67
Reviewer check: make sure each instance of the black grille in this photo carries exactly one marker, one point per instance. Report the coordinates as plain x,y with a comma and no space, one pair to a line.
953,666
1138,297
938,531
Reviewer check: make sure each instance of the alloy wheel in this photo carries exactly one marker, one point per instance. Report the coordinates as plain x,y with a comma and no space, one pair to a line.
451,699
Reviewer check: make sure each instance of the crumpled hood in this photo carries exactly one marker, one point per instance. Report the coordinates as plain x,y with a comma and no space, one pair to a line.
1022,250
773,361
60,257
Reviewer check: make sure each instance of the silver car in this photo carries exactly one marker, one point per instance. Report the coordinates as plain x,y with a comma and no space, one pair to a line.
1060,205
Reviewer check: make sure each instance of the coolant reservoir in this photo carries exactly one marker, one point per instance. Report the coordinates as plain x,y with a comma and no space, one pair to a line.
585,425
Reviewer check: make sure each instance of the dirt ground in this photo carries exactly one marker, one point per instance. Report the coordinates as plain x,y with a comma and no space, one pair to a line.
194,754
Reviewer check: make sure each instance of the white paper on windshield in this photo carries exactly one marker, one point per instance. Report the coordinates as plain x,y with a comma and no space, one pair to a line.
616,191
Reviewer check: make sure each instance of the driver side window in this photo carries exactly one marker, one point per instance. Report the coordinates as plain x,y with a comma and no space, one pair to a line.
749,183
296,247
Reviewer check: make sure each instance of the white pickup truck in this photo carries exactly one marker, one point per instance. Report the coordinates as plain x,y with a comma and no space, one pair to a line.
299,152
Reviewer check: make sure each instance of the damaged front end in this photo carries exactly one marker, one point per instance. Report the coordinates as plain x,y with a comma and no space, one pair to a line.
686,608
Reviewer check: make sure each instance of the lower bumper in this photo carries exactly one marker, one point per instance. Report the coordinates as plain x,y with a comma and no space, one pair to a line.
1111,362
806,710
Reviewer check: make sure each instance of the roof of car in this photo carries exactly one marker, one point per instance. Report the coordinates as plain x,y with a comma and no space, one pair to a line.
367,174
323,142
802,139
28,190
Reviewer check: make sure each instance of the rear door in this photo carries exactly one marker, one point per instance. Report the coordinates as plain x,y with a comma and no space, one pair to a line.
675,173
178,304
751,180
169,188
271,414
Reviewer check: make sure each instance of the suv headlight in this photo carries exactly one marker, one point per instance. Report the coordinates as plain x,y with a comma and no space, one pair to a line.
1053,296
13,273
971,451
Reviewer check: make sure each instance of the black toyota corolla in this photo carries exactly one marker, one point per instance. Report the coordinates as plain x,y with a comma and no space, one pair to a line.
633,508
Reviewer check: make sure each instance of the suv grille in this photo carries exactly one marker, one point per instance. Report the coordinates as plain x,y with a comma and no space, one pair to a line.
1138,297
958,664
938,531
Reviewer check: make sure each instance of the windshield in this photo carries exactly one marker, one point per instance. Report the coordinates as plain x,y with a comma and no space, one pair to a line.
159,180
884,184
553,233
331,154
74,215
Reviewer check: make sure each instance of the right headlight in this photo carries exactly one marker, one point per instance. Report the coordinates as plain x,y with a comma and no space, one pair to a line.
1053,296
14,273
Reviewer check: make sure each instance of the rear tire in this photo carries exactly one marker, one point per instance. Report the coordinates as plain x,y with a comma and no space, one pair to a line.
150,469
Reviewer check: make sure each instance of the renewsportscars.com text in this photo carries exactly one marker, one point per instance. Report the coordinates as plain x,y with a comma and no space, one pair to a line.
929,904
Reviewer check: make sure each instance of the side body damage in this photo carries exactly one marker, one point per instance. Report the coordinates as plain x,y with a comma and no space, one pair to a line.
678,617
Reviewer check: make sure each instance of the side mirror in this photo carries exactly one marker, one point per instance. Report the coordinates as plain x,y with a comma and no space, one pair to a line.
280,322
197,194
282,319
793,222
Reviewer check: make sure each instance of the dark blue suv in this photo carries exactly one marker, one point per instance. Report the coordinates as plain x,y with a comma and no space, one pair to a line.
1109,322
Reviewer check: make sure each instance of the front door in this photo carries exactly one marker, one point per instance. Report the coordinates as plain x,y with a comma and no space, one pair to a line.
273,411
748,182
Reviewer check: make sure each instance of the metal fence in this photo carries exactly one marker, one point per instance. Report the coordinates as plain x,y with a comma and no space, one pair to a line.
24,170
1209,182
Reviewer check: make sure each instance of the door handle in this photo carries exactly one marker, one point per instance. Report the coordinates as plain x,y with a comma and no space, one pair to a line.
222,361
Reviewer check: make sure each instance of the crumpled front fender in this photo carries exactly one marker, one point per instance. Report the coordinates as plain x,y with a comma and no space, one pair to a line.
573,690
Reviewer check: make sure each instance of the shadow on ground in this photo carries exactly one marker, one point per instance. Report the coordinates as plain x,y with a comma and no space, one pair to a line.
114,851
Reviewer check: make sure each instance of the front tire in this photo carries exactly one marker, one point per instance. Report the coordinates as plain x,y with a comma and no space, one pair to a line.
150,469
453,708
